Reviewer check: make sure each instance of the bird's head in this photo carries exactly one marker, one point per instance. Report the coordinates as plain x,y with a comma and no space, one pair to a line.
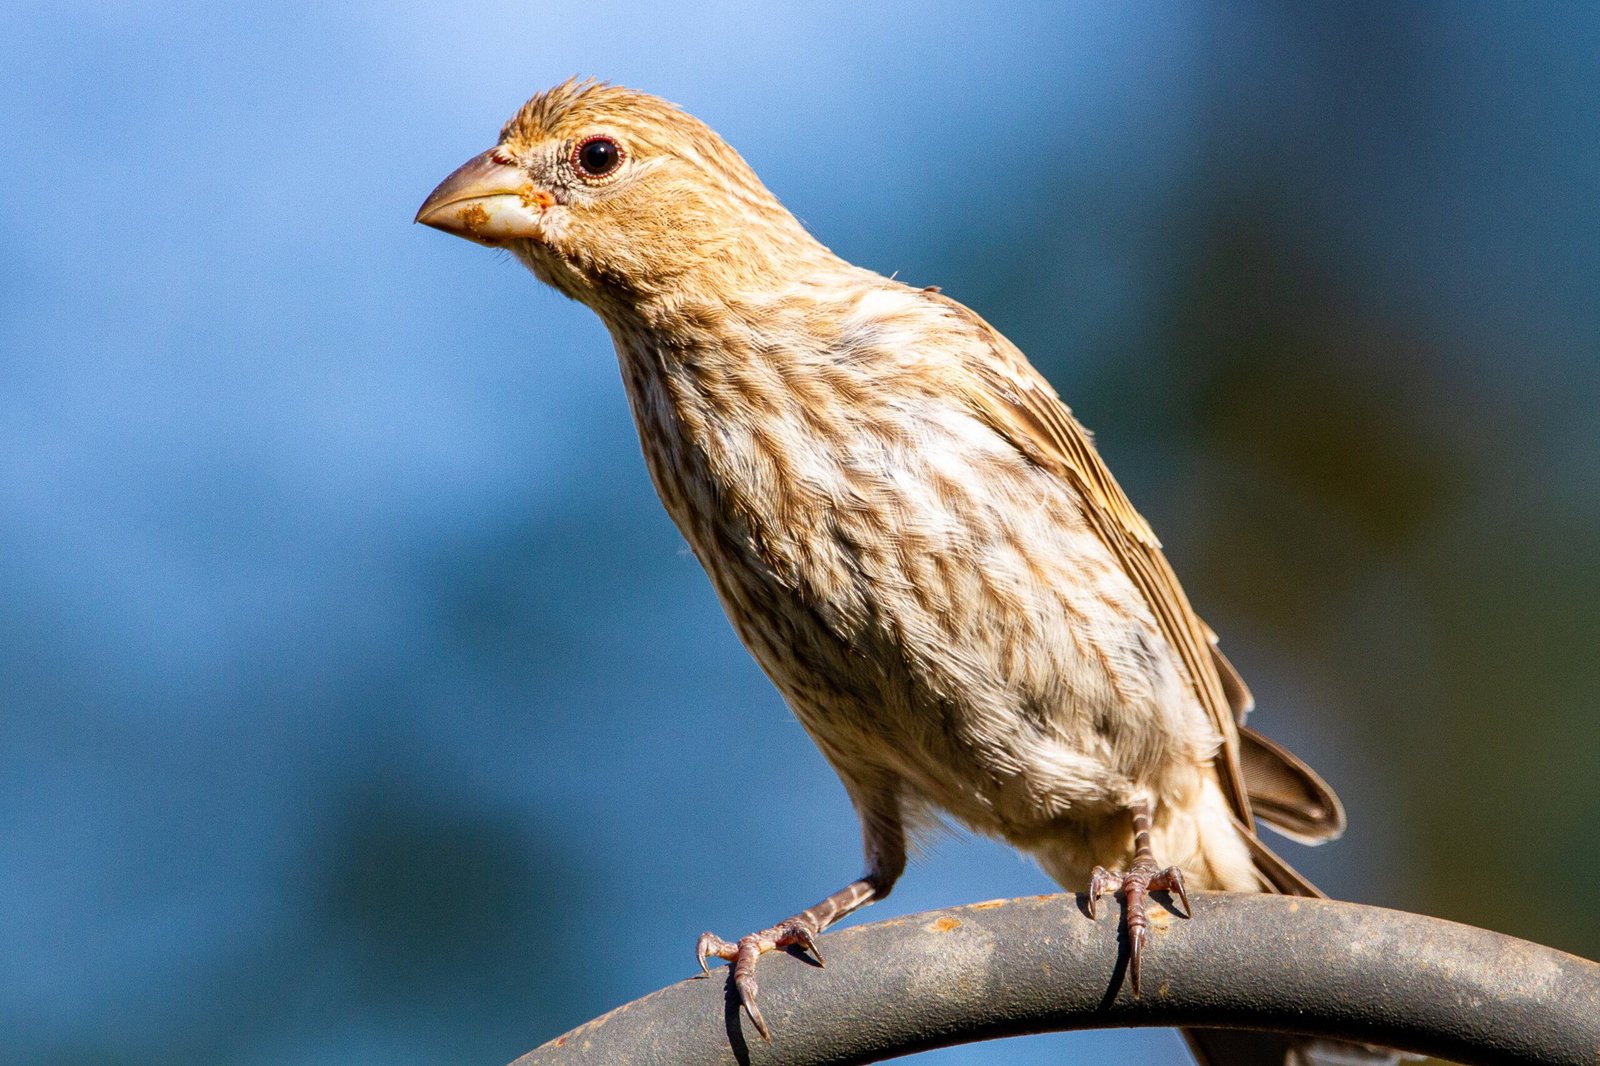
615,197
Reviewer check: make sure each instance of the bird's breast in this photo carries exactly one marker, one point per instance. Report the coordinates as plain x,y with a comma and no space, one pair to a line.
920,591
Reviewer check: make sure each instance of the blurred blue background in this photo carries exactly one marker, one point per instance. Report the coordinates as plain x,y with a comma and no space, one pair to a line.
360,702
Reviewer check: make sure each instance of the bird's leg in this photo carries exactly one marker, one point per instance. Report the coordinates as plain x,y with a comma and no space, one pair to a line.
1136,884
798,931
884,841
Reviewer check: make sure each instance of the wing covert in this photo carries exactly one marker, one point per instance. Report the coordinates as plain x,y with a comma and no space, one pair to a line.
1015,399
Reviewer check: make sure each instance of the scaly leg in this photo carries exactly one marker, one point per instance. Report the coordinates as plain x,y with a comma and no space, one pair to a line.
1142,878
883,839
797,931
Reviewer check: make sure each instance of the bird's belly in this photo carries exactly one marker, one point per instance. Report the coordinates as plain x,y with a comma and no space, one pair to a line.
931,605
981,645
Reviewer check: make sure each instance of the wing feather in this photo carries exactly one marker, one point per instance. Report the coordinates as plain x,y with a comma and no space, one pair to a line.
1015,399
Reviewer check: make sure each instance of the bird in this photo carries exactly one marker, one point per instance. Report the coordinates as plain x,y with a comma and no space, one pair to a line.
908,529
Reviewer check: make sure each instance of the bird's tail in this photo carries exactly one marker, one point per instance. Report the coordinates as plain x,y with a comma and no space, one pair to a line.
1241,1047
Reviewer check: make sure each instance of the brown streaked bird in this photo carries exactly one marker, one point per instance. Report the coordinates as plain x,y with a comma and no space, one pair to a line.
907,527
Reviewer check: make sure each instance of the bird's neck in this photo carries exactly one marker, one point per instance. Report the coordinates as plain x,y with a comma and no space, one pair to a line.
768,357
715,382
731,304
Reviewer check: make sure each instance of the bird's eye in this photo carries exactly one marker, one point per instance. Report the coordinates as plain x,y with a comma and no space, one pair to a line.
596,157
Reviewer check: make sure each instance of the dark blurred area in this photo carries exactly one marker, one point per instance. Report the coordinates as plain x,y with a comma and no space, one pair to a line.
1375,374
361,703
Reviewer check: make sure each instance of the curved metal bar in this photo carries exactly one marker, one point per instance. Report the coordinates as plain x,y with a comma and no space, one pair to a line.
1012,967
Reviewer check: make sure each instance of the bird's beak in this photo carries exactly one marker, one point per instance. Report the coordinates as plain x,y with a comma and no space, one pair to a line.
487,200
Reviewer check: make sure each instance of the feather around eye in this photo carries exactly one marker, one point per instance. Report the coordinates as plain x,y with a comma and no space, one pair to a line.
597,157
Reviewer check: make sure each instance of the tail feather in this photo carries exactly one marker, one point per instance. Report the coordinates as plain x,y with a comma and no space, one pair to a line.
1275,874
1287,794
1239,699
1243,1047
1240,1047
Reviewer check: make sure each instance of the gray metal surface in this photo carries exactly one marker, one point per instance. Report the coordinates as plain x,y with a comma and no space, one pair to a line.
1031,965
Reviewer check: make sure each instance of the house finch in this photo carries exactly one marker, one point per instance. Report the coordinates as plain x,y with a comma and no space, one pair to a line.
906,526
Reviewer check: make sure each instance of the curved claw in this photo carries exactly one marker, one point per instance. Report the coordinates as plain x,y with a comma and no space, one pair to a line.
800,931
708,945
1171,879
1101,882
744,982
1136,886
804,939
1136,940
795,932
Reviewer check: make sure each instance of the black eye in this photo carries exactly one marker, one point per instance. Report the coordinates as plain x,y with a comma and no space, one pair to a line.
595,157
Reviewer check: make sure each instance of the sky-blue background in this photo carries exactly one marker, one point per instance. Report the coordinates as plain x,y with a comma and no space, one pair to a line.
359,701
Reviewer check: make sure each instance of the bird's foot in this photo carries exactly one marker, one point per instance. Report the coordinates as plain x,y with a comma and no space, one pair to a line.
799,931
1136,885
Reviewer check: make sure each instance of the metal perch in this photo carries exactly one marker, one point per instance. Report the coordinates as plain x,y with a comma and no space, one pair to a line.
1012,967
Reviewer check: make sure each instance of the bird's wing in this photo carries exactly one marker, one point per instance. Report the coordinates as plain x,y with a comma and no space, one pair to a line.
1015,399
1239,698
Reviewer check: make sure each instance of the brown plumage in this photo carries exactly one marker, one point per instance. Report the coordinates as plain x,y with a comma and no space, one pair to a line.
907,527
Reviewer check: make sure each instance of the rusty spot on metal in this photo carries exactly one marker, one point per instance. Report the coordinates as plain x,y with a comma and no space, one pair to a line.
944,925
987,905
